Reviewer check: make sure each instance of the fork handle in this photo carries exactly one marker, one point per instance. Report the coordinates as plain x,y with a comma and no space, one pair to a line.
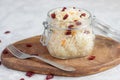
57,65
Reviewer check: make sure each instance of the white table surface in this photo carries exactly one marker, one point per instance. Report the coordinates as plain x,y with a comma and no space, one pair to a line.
24,19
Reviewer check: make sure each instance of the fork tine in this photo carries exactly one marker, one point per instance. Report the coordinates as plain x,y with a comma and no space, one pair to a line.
17,53
14,50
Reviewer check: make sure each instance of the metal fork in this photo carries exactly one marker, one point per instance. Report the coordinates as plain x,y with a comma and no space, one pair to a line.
21,55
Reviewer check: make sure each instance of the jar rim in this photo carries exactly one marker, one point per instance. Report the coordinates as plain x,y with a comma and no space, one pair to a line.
82,26
90,15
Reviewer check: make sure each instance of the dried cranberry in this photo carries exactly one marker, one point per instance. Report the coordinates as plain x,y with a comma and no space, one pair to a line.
78,23
6,32
70,26
53,15
68,32
29,73
28,45
22,79
64,8
50,76
91,57
83,15
0,62
86,32
65,17
5,51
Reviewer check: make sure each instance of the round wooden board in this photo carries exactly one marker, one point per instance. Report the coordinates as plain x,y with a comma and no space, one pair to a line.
106,52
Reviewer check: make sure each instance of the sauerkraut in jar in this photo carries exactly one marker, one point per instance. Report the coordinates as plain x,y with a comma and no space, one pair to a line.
68,33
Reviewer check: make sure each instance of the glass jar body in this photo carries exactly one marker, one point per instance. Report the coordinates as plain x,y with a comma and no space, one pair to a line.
68,38
77,44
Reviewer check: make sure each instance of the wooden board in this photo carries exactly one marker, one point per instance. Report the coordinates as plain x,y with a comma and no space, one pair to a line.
106,52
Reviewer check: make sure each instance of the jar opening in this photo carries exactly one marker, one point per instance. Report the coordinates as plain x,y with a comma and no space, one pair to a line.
70,17
60,8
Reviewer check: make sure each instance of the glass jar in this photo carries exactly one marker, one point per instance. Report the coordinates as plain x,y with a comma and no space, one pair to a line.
68,38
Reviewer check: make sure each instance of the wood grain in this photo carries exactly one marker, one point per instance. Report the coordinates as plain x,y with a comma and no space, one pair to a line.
106,52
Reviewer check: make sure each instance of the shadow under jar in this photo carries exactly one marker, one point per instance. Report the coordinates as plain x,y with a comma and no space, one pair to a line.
68,33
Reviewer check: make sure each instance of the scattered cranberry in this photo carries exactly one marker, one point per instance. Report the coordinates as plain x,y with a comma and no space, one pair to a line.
22,79
91,58
50,76
70,26
28,45
5,51
53,15
73,7
86,32
6,32
83,15
0,62
64,8
78,23
65,17
68,32
29,74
